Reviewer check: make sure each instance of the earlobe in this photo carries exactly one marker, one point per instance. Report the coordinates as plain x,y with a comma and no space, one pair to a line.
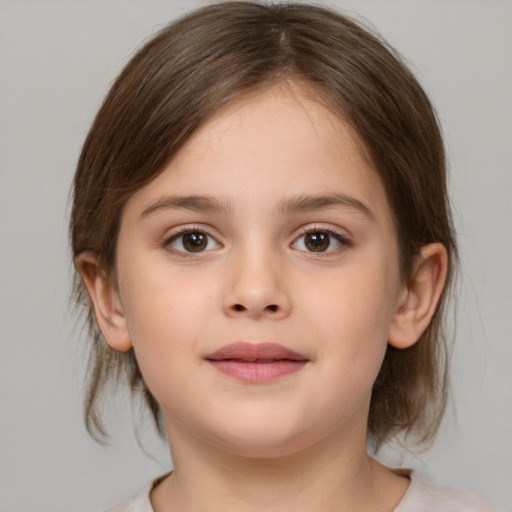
419,299
107,306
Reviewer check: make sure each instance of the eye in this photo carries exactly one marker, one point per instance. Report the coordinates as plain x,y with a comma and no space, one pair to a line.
192,241
320,240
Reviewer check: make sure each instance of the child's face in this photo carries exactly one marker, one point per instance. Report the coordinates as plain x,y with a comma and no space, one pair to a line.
288,240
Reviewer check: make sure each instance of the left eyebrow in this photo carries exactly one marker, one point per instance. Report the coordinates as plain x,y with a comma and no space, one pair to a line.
306,203
197,203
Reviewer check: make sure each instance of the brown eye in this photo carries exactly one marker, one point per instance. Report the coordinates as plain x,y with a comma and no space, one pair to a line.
320,241
192,241
317,241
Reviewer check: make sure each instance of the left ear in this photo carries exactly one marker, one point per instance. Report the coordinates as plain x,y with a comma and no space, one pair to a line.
109,312
418,300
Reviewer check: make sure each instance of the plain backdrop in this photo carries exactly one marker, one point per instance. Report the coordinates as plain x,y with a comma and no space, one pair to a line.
57,59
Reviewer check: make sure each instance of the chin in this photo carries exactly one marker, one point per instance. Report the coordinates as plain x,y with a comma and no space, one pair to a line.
264,449
262,440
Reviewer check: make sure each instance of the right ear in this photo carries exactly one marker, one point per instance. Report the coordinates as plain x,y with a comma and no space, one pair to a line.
105,298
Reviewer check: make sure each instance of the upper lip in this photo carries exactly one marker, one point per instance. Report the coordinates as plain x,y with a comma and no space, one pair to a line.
244,351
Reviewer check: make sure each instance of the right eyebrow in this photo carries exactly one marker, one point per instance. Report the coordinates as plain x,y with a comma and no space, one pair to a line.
307,203
197,203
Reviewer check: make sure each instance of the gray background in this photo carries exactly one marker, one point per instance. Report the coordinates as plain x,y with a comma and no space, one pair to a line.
57,59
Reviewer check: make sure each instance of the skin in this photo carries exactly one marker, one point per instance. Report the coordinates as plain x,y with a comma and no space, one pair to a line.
299,442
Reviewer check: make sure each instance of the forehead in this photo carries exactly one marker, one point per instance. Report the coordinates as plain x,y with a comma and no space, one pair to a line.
285,121
275,143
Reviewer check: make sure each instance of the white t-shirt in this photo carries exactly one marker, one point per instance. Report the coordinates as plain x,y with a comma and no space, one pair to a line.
421,496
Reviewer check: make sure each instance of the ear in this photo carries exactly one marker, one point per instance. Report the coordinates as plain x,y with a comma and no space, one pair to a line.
418,300
105,298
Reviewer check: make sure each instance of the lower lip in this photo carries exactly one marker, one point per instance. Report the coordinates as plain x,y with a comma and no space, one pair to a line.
257,373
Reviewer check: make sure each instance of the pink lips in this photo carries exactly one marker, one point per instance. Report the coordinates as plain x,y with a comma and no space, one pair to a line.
256,363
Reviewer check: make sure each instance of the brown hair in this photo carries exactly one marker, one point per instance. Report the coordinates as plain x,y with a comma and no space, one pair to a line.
201,62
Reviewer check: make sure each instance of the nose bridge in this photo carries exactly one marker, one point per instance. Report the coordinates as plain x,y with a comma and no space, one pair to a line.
255,284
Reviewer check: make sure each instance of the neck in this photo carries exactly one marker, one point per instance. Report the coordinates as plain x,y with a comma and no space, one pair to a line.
314,478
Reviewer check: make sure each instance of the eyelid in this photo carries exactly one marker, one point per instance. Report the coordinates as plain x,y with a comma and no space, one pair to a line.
336,233
182,230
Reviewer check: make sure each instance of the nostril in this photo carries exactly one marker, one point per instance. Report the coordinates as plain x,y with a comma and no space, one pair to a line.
239,307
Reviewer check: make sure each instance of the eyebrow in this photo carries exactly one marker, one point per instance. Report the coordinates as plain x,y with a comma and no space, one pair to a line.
306,203
202,203
300,203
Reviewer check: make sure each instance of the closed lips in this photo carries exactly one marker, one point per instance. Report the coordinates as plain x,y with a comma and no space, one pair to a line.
257,363
255,352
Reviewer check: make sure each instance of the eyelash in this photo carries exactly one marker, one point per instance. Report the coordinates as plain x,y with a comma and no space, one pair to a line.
341,239
180,234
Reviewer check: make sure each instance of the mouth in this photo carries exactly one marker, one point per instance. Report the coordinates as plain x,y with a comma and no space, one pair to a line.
257,363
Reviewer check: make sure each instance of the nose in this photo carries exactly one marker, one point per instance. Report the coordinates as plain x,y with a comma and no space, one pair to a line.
256,288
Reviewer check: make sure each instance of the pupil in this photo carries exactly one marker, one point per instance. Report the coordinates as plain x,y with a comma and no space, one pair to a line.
194,242
317,242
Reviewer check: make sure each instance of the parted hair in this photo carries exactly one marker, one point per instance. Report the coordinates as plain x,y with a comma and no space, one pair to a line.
215,55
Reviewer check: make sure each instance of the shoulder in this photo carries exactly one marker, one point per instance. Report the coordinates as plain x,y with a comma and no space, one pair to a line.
425,496
139,503
421,496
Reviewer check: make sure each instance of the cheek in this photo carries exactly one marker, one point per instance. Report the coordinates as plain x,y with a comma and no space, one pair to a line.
352,319
358,304
164,320
158,297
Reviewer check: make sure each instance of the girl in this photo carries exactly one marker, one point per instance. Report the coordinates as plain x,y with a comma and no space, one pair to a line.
262,234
